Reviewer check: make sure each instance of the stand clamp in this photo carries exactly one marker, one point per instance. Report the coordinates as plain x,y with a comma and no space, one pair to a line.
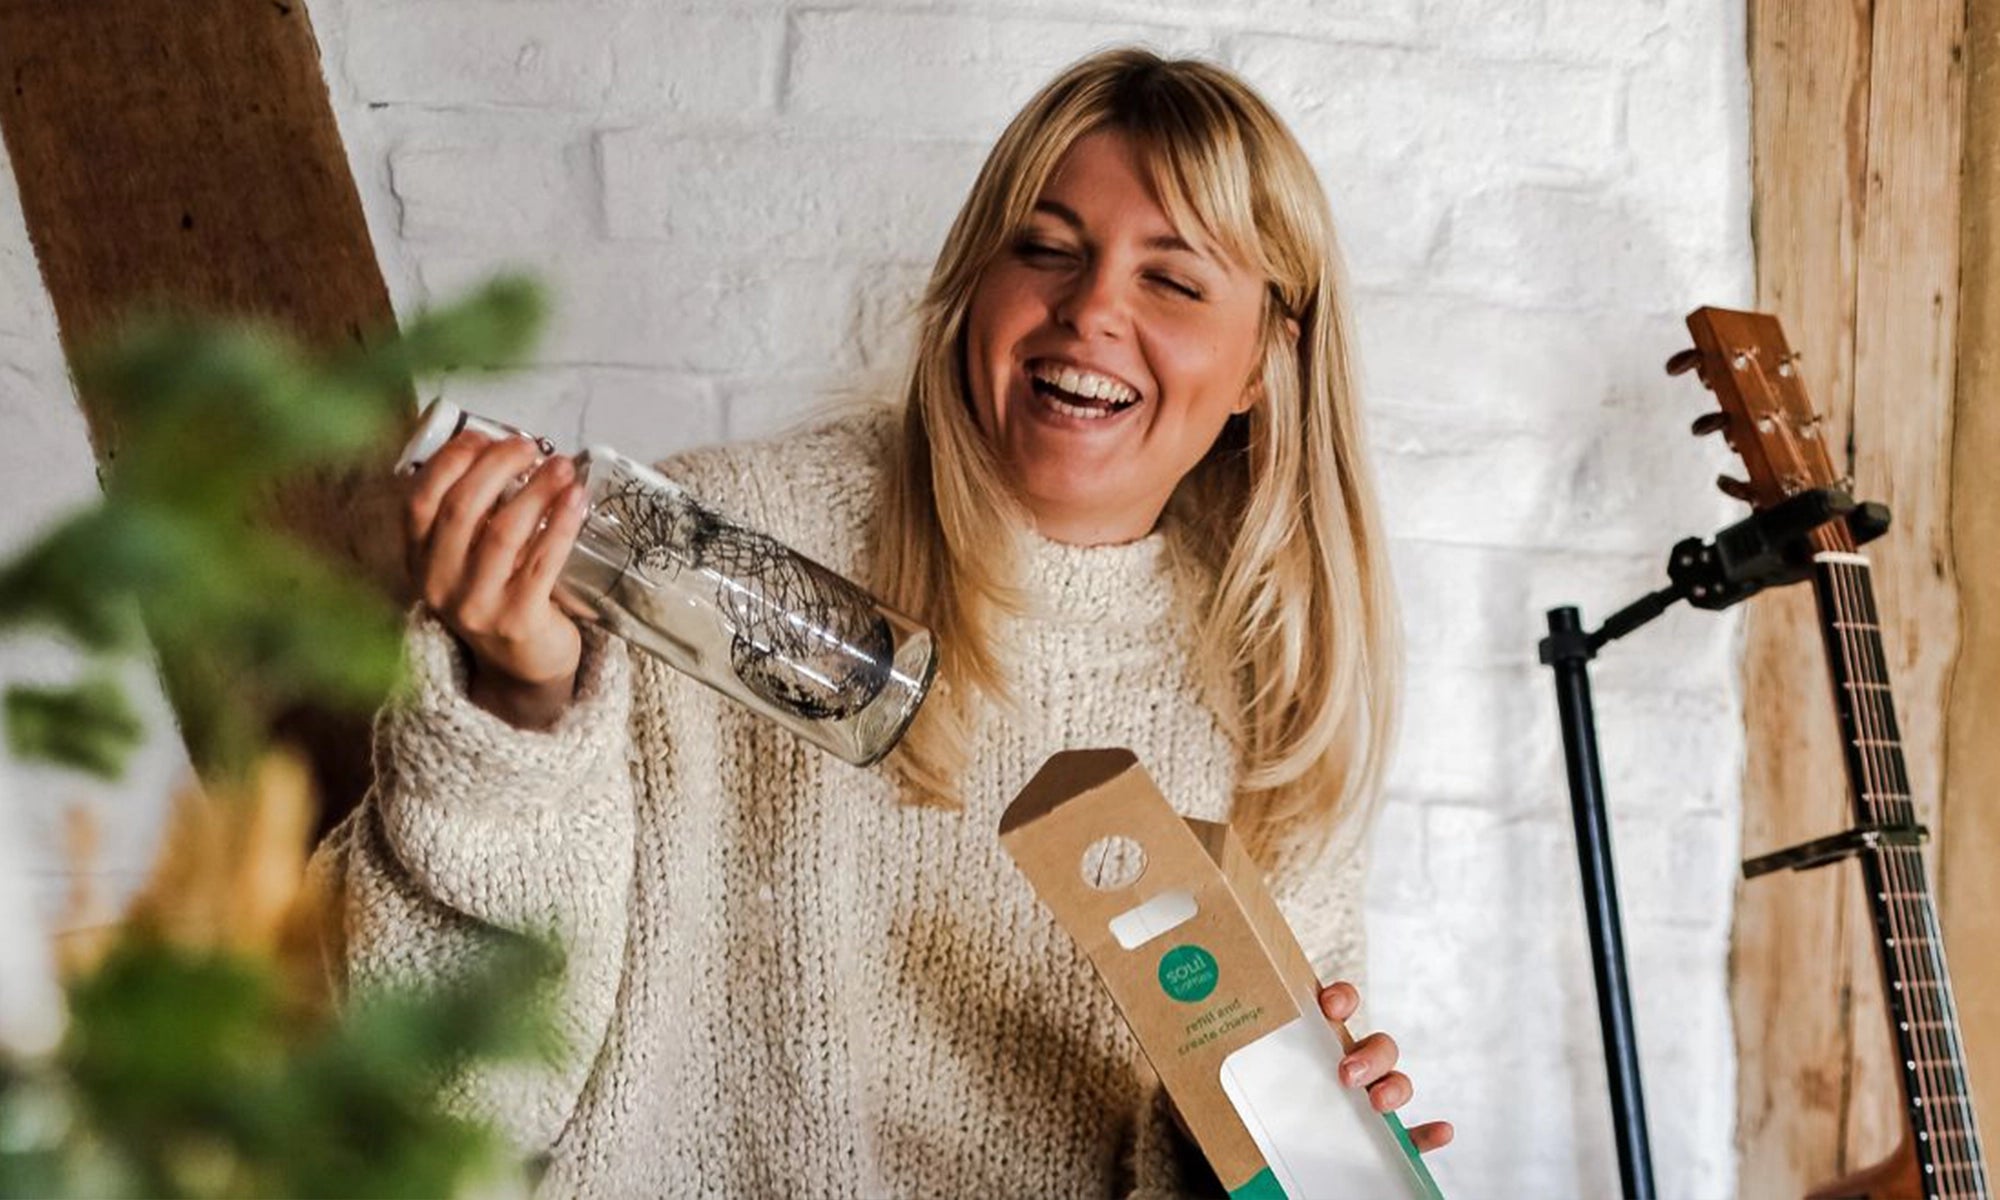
1766,549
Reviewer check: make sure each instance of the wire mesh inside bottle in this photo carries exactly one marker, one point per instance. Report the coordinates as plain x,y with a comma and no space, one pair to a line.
801,637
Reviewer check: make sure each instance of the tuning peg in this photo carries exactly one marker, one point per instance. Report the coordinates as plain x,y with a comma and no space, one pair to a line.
1683,362
1735,489
1708,423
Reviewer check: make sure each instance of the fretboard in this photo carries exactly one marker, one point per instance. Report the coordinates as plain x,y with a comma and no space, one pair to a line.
1922,1015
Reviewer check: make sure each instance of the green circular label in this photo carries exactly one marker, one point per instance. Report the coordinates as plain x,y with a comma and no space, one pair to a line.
1188,973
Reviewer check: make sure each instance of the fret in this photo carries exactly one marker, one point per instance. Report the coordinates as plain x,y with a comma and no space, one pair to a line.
1914,939
1866,687
1856,625
1938,1066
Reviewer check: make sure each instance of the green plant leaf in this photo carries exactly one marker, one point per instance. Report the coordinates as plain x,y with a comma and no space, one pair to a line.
89,726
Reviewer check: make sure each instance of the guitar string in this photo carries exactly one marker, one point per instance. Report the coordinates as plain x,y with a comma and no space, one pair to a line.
1956,1155
1878,807
1883,801
1926,1027
1964,1150
1963,1139
1873,802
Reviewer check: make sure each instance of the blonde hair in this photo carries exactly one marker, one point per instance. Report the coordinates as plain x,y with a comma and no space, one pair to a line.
1300,629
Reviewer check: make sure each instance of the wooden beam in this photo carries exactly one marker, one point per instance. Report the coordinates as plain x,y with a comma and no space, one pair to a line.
1969,885
1809,64
187,153
1906,330
1857,115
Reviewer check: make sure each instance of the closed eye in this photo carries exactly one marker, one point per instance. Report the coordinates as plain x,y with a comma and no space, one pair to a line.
1186,289
1032,251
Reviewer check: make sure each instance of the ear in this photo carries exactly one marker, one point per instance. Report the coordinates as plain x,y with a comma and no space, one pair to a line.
1253,392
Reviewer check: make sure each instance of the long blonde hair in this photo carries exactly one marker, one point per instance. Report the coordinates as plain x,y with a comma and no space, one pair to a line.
1300,628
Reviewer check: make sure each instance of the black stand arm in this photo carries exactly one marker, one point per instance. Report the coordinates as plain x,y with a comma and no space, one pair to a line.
1568,652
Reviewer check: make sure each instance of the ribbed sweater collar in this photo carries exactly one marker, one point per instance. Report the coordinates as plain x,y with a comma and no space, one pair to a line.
1127,582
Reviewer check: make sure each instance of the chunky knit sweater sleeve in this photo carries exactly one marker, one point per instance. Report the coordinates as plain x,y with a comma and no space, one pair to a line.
475,830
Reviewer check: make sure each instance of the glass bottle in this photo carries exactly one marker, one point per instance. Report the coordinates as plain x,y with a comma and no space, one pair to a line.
732,607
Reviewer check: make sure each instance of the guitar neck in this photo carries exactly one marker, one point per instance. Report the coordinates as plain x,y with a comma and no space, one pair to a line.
1922,1015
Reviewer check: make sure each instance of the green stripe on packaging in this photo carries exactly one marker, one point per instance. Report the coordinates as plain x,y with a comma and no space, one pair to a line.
1426,1186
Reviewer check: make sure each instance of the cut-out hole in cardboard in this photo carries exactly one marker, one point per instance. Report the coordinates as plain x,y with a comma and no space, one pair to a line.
1113,863
1169,910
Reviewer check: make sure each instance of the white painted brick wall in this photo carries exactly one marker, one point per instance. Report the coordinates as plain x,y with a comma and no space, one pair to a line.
737,199
46,469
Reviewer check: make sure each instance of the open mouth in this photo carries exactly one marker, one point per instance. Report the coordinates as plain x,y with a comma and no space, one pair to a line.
1085,395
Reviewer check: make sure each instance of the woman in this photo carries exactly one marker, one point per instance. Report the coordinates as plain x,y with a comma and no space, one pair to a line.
1126,491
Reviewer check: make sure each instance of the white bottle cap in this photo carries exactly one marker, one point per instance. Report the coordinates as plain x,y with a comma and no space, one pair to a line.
442,421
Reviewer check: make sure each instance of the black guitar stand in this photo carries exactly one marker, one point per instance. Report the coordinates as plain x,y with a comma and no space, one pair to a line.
1768,549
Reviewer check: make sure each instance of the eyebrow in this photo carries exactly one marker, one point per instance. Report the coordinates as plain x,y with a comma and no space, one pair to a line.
1164,241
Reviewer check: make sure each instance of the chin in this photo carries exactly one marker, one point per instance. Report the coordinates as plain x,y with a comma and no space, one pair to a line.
1074,500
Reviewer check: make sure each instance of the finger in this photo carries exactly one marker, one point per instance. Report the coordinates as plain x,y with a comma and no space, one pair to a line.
462,512
547,552
1372,1057
1339,1000
496,552
1391,1092
426,489
1432,1135
573,606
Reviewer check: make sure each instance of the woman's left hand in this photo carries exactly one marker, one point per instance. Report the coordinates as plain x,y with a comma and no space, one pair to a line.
1372,1064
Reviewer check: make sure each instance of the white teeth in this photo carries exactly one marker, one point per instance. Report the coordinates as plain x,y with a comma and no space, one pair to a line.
1088,384
1078,410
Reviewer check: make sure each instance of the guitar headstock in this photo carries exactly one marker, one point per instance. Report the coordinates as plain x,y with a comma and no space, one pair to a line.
1766,416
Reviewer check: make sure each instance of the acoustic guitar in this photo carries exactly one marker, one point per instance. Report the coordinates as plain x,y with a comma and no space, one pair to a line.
1765,414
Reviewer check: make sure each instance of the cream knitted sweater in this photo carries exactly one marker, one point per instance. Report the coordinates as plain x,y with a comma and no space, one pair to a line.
781,979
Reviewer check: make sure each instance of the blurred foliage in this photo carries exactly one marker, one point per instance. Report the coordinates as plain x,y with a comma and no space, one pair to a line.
208,419
203,1055
89,725
185,1074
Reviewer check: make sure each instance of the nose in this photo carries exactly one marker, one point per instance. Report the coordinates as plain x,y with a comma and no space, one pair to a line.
1092,303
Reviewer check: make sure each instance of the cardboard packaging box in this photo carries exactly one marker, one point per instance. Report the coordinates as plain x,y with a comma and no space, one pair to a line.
1184,935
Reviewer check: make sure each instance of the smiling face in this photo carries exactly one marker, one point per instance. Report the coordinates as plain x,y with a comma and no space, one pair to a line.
1104,351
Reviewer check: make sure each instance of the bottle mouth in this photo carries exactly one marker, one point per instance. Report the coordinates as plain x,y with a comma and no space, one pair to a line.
441,421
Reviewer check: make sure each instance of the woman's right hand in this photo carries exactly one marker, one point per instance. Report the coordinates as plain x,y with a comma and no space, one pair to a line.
488,568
